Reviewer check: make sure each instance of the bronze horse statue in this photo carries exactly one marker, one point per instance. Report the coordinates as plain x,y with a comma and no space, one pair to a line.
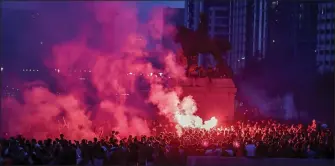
198,42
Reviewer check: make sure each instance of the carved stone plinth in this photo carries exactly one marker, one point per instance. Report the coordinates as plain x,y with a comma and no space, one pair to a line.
213,99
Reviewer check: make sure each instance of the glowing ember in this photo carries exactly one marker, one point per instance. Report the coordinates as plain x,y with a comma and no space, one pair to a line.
205,143
236,144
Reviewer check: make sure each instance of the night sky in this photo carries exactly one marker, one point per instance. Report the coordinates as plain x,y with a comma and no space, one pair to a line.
28,28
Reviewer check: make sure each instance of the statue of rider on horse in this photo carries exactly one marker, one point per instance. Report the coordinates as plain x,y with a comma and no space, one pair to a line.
198,42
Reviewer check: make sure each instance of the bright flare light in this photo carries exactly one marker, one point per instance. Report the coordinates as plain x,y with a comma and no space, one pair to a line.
185,118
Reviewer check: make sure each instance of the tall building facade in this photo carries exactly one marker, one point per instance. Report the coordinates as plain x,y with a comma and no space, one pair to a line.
249,31
238,33
193,8
305,37
282,35
325,48
218,20
277,30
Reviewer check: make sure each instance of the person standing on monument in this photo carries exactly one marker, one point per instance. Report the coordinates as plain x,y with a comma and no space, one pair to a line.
193,72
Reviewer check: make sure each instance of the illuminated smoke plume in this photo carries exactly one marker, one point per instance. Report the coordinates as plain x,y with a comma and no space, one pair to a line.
280,107
181,112
112,64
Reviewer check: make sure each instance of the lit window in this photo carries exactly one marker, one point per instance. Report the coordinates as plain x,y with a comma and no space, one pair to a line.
274,4
273,41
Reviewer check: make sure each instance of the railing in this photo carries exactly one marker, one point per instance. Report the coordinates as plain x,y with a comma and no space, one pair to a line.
242,161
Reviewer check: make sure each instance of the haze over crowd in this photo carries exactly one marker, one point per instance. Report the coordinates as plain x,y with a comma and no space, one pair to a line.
112,42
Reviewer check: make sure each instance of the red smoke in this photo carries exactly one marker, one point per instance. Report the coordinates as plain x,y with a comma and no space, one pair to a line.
121,50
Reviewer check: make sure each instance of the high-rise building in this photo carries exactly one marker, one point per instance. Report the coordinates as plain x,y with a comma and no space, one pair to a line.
292,33
248,31
325,48
305,36
238,34
218,19
277,30
216,11
274,29
193,8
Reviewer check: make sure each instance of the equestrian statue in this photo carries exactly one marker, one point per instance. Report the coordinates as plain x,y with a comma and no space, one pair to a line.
198,42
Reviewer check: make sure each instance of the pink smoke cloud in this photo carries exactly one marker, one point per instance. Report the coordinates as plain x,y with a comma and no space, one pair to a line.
121,50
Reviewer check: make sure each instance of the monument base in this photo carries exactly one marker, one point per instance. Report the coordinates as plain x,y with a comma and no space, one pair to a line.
215,98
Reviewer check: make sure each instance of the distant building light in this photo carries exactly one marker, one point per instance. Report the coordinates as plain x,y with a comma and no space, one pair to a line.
1,68
273,41
41,42
36,70
243,58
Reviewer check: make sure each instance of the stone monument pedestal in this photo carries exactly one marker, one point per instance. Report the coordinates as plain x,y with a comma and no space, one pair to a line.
213,99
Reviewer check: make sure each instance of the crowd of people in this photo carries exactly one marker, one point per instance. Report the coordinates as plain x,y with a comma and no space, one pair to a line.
265,138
